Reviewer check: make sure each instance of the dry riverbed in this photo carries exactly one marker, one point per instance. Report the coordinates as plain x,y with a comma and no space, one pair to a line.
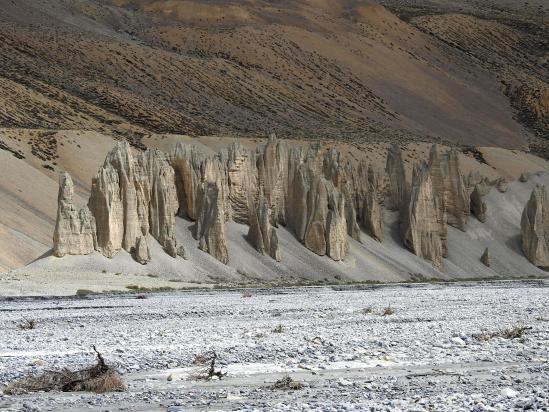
407,347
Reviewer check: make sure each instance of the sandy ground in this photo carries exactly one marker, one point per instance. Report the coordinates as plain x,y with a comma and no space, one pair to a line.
349,357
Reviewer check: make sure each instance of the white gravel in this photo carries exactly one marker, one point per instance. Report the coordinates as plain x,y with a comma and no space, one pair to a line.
350,357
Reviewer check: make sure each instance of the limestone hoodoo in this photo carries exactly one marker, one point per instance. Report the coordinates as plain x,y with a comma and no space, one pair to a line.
421,222
74,232
261,233
535,228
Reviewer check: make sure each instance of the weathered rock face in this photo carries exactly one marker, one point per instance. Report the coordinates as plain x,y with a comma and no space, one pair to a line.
106,206
186,161
421,223
458,201
535,228
163,200
318,214
133,194
210,225
315,193
272,171
478,204
75,229
372,218
396,179
242,182
486,259
261,234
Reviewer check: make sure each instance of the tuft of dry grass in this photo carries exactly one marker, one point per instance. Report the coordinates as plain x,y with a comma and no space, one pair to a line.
287,383
514,332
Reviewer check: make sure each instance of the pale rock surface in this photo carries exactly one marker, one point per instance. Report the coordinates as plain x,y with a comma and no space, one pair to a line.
535,228
74,229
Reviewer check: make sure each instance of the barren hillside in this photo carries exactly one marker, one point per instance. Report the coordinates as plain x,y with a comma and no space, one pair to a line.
346,69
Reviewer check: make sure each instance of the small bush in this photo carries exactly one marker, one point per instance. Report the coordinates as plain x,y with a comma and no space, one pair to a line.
513,332
28,324
278,329
287,383
388,311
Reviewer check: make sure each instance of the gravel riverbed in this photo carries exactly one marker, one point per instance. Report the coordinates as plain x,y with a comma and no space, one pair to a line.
344,344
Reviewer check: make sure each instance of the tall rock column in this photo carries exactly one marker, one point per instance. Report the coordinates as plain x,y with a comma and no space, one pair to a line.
163,201
535,228
106,206
74,229
396,179
210,225
372,218
261,234
421,223
458,202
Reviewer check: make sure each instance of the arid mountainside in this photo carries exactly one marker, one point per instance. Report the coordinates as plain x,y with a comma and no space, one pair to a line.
313,69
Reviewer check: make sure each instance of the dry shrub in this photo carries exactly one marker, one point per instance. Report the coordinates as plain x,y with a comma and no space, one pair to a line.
388,311
27,324
287,383
99,378
513,332
278,329
206,367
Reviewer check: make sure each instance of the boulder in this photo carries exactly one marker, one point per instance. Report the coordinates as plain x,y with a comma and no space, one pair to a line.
486,258
75,232
535,228
501,184
141,252
478,204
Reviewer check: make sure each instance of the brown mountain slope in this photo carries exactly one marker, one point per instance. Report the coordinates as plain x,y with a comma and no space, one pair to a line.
344,69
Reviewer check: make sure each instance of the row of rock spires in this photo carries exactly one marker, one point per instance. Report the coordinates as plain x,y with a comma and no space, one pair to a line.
316,194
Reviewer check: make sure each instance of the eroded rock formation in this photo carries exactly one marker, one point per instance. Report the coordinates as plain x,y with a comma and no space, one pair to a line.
535,228
372,218
261,234
396,179
210,225
478,204
421,220
317,194
75,232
